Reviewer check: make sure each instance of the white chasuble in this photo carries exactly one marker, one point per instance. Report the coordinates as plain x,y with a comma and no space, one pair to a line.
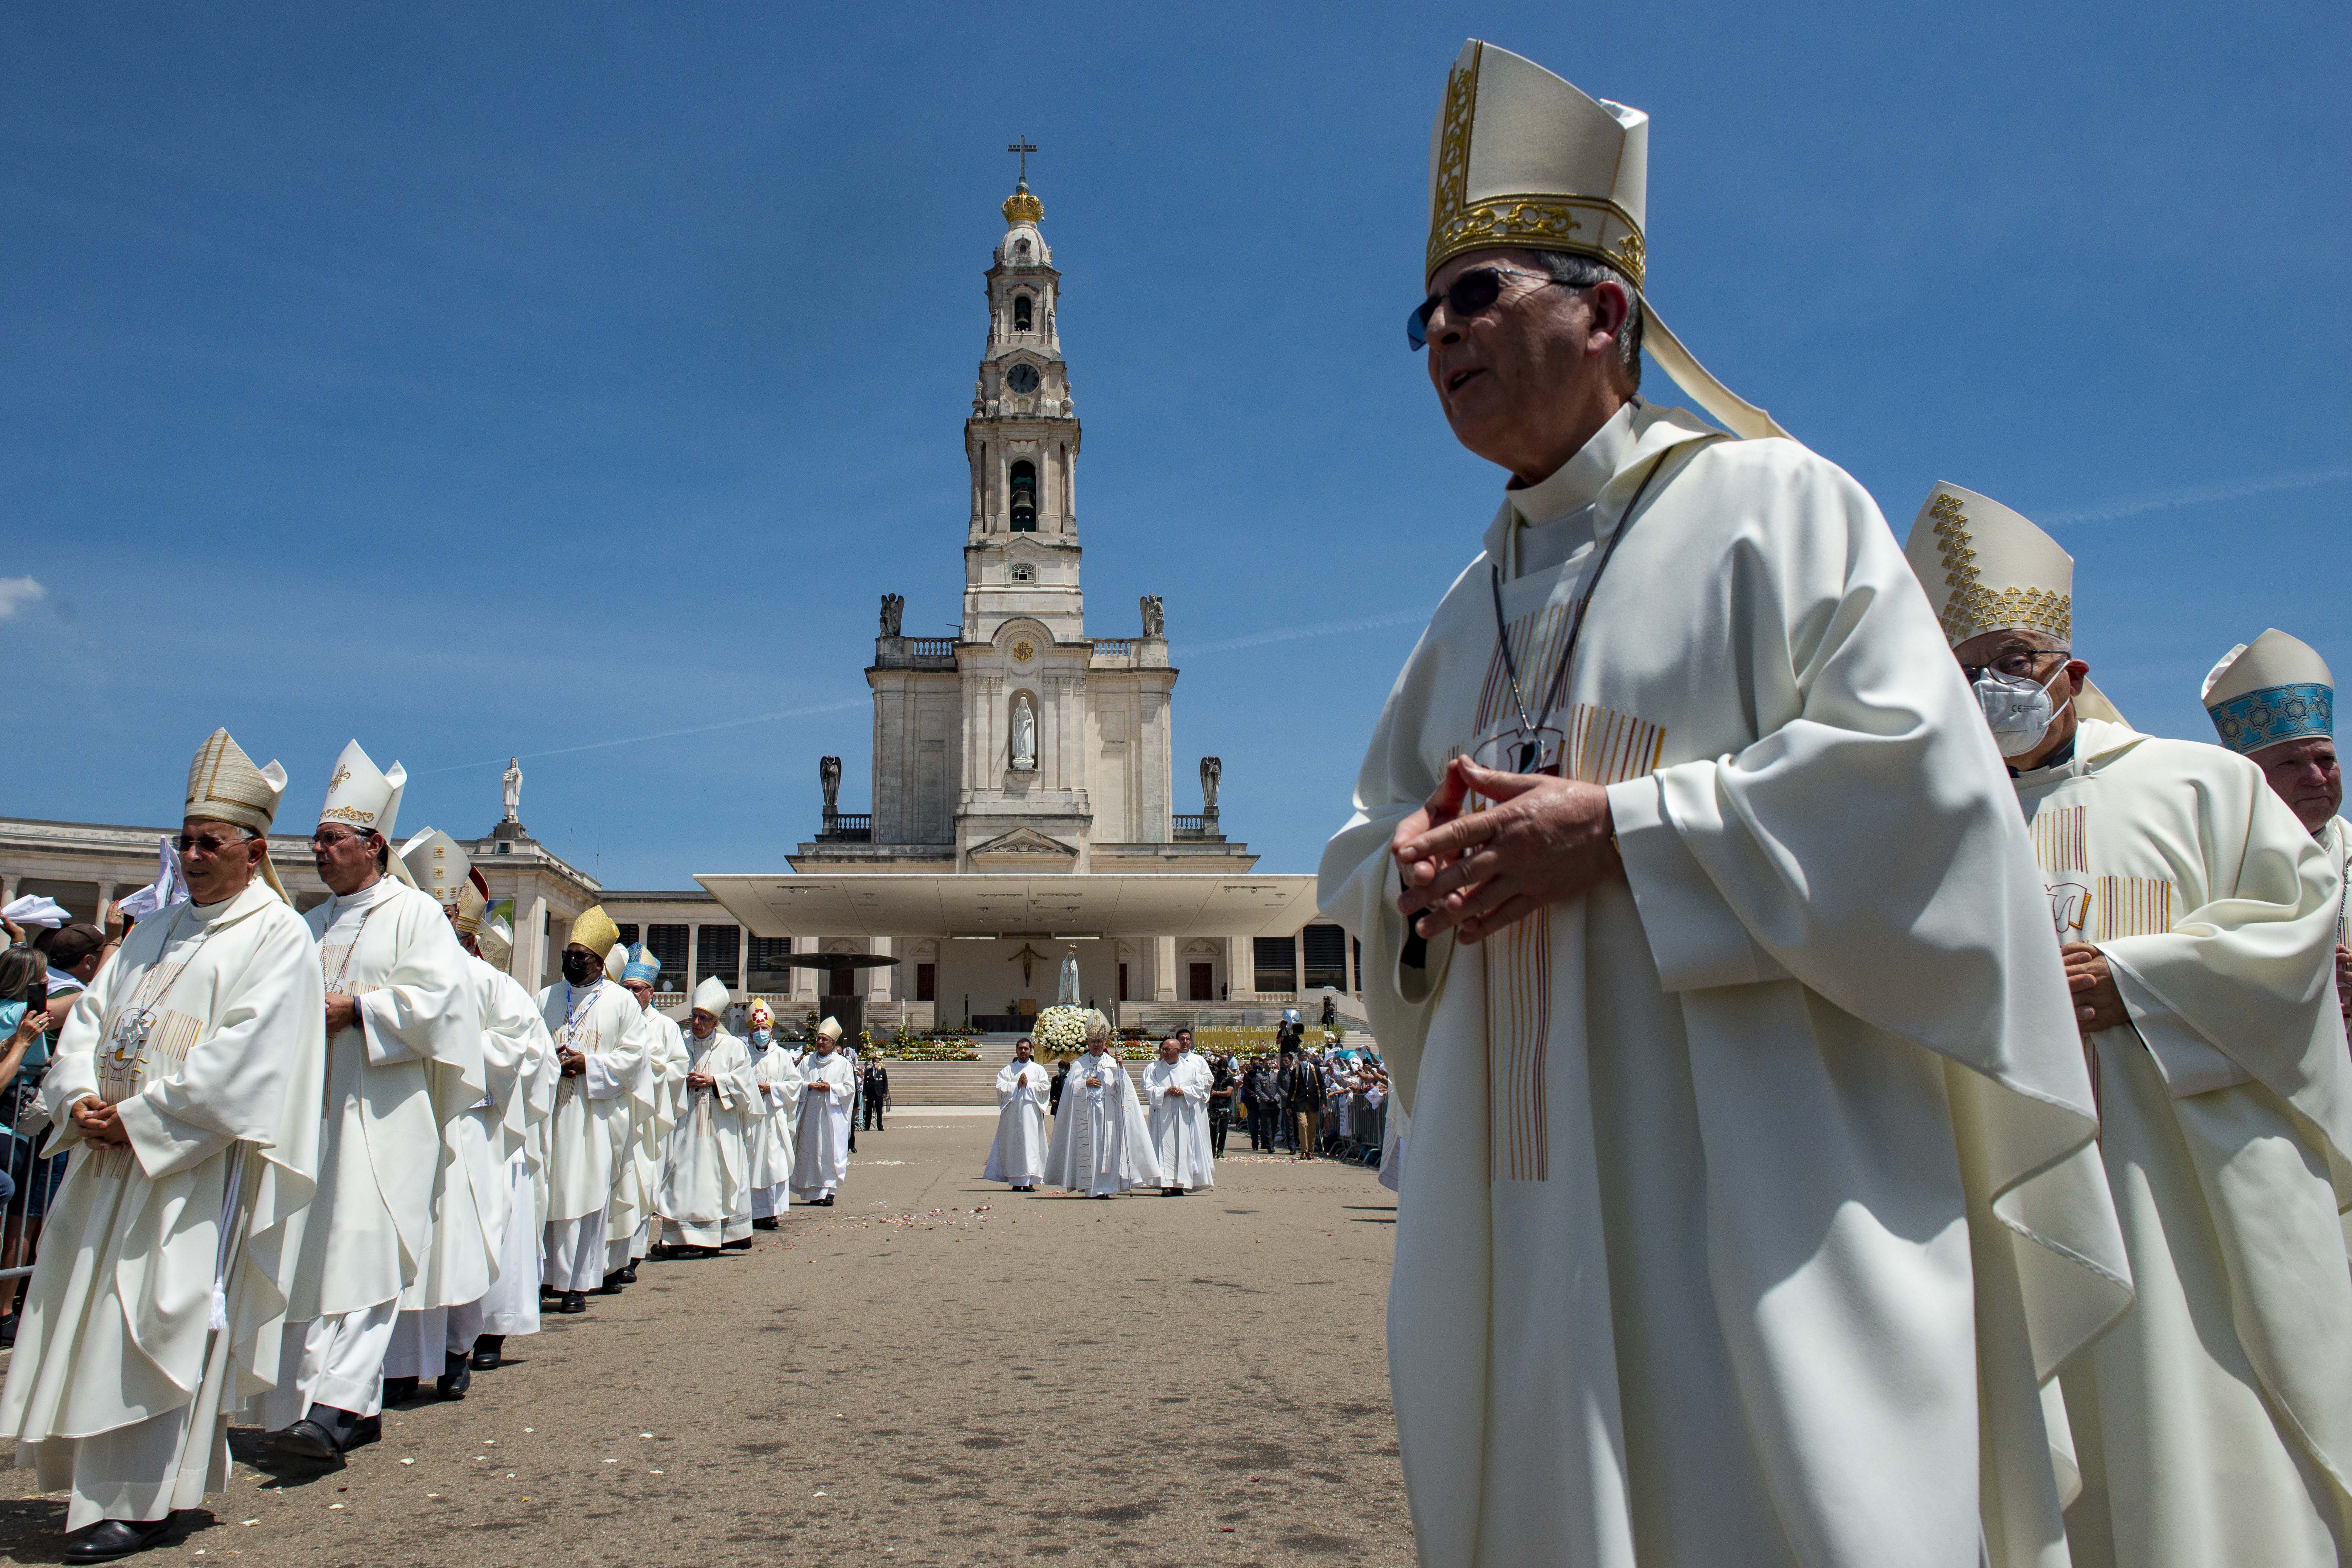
1180,1121
773,1116
1022,1123
706,1181
652,1113
394,1083
1752,1198
488,1136
1101,1143
588,1132
2336,837
2215,1423
207,1030
820,1141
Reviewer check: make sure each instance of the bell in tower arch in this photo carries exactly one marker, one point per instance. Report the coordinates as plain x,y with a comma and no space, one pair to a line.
1024,497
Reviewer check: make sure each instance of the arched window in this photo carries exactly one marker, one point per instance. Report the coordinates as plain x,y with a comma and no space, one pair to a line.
1020,312
1024,497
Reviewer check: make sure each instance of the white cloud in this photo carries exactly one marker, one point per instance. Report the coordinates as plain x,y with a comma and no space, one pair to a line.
2234,490
15,592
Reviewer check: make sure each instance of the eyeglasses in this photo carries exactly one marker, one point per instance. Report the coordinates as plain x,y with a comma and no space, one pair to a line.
2022,664
1472,294
327,839
206,843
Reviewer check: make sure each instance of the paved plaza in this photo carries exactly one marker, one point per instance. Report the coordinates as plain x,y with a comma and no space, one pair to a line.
935,1372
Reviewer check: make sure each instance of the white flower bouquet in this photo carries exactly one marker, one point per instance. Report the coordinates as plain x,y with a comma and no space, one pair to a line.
1060,1029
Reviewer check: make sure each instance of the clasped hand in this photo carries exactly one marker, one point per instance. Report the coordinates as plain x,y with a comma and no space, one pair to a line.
572,1064
100,1124
2097,1004
1543,840
697,1080
342,1012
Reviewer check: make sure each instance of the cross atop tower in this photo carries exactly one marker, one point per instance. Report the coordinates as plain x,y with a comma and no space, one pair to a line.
1024,149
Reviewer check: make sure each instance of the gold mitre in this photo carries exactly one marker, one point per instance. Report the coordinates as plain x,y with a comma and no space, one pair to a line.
438,866
1987,569
1521,158
592,929
2276,689
225,786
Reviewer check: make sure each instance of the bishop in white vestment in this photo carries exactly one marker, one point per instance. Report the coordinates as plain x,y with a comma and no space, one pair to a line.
405,1061
704,1198
778,1077
2273,702
1024,1120
1101,1144
1176,1103
188,1085
821,1143
2196,918
659,1098
1751,1203
602,1041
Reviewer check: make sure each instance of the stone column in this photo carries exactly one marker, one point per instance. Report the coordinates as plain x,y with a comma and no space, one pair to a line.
1241,968
1164,969
877,982
530,961
105,897
1298,967
8,889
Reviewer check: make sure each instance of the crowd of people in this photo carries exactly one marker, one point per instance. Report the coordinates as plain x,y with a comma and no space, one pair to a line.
292,1166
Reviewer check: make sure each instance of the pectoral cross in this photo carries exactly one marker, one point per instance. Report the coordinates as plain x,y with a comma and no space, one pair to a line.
1024,149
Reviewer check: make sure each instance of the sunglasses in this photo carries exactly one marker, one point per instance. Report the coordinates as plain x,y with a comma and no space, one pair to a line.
1472,294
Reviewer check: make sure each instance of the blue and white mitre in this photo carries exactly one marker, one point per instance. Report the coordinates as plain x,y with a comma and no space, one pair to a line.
641,964
2272,690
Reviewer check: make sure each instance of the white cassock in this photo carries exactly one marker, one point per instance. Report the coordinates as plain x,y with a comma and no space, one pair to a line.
652,1115
588,1133
520,1058
393,1086
1180,1122
2215,1423
774,1114
119,1385
705,1196
471,1193
1101,1143
1752,1197
1023,1124
821,1142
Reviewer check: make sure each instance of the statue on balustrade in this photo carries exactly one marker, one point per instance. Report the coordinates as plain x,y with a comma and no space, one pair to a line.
894,606
1155,621
828,774
1213,773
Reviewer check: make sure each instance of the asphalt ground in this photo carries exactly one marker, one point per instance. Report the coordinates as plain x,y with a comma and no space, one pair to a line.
935,1371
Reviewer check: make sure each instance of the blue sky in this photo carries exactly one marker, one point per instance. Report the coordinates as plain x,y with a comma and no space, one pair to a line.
492,379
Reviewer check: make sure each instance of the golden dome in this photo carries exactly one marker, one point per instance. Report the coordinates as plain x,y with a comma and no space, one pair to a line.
1022,208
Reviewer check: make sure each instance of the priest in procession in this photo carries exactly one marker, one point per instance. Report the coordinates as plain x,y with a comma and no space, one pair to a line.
1176,1101
705,1196
486,1143
1024,1122
821,1142
603,1043
2273,702
1102,1145
778,1078
187,1085
403,1061
653,1117
2195,916
1675,851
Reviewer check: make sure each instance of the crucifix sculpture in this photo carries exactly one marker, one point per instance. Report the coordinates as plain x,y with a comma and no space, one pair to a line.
1024,148
1028,956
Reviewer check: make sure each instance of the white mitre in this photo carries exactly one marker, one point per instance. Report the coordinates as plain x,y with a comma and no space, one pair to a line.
361,796
438,865
496,939
616,961
711,996
225,786
1988,569
2270,691
1521,158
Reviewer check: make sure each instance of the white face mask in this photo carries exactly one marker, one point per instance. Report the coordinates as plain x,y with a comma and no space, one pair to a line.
2018,711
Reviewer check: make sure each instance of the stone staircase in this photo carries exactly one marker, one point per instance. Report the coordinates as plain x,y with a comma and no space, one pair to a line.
946,1083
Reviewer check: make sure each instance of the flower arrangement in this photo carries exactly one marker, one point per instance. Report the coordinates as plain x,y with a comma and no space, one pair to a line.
1060,1029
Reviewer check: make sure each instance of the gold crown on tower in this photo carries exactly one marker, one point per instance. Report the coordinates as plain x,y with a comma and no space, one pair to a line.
1022,206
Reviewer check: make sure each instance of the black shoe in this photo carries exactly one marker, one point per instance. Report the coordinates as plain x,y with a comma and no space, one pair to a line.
612,1285
7,1339
456,1375
572,1302
547,1290
1172,1192
111,1539
768,1223
826,1202
399,1390
327,1432
741,1244
487,1349
629,1276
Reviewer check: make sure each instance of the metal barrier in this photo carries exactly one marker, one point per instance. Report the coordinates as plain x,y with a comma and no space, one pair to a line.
32,1182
